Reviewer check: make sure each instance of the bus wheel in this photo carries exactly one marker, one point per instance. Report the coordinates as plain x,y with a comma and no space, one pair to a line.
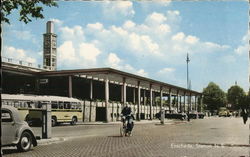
74,120
53,121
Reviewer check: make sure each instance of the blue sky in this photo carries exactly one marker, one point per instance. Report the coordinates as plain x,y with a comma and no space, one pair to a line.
150,39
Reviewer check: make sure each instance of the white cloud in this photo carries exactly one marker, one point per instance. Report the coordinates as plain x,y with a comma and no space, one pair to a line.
142,72
76,33
89,52
191,39
244,47
66,53
178,37
57,21
173,15
83,55
115,62
18,54
95,26
155,19
213,46
128,24
166,70
114,10
142,44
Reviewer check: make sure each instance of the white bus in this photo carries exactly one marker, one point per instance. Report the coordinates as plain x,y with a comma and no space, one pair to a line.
63,109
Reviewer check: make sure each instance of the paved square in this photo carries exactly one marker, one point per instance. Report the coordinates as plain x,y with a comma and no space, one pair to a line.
209,137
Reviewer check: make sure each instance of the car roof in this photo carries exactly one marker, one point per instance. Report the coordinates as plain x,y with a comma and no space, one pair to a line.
14,111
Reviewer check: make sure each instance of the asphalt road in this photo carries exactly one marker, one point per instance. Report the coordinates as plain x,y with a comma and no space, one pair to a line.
209,137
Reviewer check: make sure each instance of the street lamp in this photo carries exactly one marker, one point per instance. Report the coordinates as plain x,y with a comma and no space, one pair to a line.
188,60
189,99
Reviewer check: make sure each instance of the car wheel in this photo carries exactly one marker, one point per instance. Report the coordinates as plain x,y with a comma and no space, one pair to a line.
53,121
74,120
25,142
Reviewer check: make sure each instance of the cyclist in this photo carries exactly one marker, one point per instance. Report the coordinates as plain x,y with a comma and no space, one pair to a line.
129,117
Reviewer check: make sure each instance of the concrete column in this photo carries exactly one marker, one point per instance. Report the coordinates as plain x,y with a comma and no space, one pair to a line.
134,96
201,103
107,98
180,104
139,101
162,111
184,105
46,126
144,97
190,101
151,103
124,92
195,103
70,86
91,90
91,98
177,101
169,99
145,104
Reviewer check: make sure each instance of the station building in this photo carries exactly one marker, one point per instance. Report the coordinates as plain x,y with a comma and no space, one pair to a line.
104,91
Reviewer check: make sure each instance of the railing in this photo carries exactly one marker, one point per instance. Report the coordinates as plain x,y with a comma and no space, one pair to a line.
21,62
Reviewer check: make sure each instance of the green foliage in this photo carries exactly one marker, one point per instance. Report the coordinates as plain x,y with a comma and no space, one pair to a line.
214,97
27,9
236,96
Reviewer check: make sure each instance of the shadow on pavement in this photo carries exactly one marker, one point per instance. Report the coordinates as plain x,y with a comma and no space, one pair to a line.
116,136
9,151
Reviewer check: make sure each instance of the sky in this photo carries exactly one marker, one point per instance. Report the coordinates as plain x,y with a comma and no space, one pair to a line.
146,38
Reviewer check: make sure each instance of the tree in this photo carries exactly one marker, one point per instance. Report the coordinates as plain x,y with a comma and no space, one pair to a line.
236,97
214,97
27,9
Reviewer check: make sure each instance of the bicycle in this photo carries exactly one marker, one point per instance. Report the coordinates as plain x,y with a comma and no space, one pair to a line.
124,130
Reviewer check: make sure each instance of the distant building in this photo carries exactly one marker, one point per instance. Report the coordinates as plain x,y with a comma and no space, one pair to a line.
49,47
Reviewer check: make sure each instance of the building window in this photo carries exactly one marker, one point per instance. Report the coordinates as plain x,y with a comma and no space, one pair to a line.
47,61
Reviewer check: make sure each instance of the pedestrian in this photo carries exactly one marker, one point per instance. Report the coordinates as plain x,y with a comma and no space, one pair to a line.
244,115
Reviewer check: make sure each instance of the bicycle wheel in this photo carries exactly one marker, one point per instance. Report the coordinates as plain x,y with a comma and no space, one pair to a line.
122,131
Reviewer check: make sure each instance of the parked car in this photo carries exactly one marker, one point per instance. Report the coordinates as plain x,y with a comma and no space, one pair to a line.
224,112
201,115
16,132
195,115
180,116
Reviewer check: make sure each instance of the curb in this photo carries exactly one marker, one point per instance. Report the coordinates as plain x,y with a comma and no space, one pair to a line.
51,140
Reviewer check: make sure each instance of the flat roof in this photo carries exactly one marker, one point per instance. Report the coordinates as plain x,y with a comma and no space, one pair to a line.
110,71
113,74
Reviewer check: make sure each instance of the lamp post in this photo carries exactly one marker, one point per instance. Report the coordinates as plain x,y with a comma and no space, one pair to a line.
188,60
189,98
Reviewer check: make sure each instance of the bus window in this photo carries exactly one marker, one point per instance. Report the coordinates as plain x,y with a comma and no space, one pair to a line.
28,104
54,105
5,102
79,106
22,104
39,104
67,105
60,105
16,104
73,105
